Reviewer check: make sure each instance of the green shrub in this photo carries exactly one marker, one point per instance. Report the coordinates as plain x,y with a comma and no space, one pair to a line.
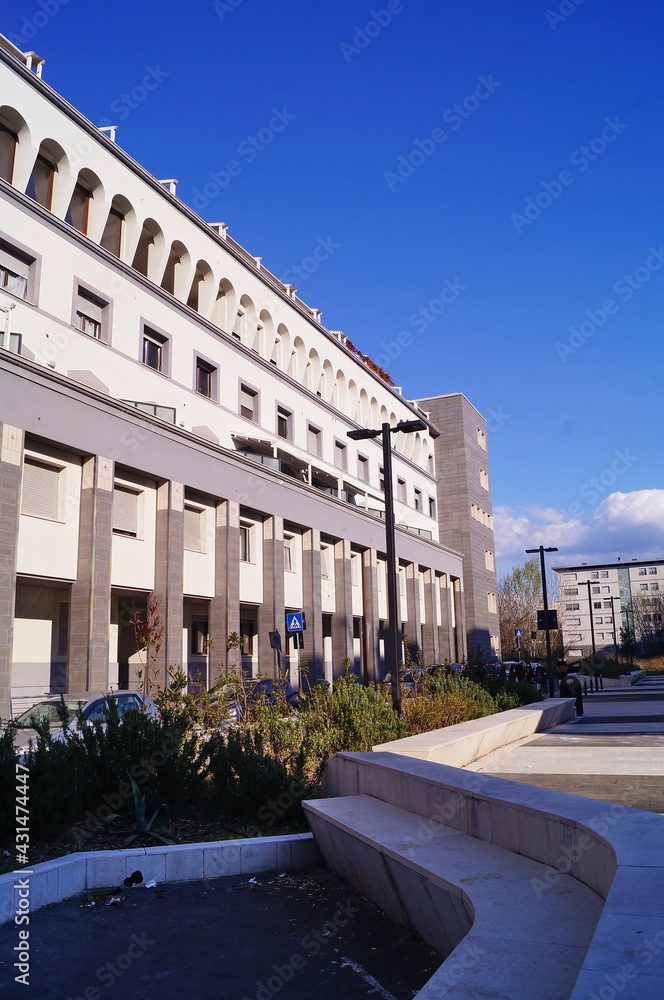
8,786
445,701
250,784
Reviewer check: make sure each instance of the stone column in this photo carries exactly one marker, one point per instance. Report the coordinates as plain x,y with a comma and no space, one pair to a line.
342,622
225,605
90,596
413,625
370,612
272,612
461,641
446,647
430,631
169,575
311,584
11,470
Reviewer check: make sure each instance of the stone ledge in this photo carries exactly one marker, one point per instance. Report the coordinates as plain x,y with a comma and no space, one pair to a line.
468,741
53,881
614,850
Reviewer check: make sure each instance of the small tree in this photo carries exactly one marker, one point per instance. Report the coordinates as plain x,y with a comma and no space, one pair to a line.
148,632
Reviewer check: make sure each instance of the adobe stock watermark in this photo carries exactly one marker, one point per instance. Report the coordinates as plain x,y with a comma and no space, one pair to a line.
580,159
246,153
128,101
322,251
45,11
454,116
615,982
377,22
224,7
572,854
562,13
109,973
420,320
312,944
594,319
598,486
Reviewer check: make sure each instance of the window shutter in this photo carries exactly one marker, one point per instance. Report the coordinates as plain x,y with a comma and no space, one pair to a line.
40,489
192,529
125,511
11,262
87,305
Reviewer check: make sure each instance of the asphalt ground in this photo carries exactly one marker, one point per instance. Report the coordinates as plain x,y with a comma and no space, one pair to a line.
298,936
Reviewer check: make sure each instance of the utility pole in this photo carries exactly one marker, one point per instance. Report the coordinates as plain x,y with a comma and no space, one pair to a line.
549,665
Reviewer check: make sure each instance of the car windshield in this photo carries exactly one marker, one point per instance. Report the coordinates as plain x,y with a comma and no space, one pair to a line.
47,710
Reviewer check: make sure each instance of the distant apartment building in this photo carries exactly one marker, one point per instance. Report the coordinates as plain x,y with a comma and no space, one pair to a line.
174,426
596,601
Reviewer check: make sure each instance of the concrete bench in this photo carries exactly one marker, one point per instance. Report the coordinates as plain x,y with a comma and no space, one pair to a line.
614,851
467,741
472,901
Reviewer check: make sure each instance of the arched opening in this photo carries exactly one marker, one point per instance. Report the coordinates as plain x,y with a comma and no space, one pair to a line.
223,311
112,237
264,339
50,160
298,360
176,270
244,328
87,189
339,394
326,389
13,133
202,288
148,250
313,370
281,349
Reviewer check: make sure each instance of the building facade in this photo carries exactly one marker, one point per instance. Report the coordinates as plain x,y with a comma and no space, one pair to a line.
465,512
598,600
174,428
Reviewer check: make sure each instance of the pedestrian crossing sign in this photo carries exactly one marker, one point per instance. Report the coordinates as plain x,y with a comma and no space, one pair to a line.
295,621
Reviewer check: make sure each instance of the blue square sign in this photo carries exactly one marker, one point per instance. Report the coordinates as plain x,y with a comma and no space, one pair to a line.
294,621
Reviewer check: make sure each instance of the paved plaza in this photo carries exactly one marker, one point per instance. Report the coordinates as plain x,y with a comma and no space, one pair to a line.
613,752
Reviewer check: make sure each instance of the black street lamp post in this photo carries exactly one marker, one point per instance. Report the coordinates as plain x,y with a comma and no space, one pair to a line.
393,614
549,665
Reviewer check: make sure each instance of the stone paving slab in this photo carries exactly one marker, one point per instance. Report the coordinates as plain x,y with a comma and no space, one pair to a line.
614,752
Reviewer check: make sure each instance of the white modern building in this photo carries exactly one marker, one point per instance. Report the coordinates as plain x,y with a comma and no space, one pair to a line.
174,425
596,601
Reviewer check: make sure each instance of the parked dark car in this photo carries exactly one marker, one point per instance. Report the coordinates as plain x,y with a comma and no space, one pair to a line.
92,704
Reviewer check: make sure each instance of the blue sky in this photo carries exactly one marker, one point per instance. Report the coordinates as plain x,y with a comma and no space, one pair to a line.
507,155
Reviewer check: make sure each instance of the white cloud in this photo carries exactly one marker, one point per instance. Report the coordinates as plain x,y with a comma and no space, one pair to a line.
627,524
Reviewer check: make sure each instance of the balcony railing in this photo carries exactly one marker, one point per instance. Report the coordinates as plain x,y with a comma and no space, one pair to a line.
163,412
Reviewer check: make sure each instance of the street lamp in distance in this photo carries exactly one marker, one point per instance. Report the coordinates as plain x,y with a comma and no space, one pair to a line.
549,666
393,614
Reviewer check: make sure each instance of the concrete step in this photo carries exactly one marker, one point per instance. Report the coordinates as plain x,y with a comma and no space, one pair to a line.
487,910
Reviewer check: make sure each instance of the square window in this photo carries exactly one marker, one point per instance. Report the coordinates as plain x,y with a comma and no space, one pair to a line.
418,499
654,586
15,269
594,576
484,479
607,604
652,570
432,509
249,403
284,423
314,439
643,571
125,511
340,455
571,607
288,554
154,350
381,479
643,586
363,468
40,490
604,574
597,605
89,313
401,490
193,528
205,378
595,590
245,541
